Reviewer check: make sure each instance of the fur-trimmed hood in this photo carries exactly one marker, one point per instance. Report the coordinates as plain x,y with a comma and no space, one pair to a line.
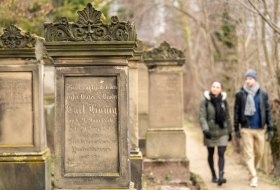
207,95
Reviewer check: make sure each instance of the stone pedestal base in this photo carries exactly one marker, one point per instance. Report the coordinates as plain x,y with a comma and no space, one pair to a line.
136,161
25,171
166,143
168,170
132,188
98,189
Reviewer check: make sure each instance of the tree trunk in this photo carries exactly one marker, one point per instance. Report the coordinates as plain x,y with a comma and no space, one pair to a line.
275,143
275,56
207,32
256,24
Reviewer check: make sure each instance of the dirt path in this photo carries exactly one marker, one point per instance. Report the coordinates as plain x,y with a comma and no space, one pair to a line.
235,173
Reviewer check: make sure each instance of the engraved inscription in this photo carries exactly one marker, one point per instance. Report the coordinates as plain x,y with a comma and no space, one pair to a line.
91,113
16,120
166,92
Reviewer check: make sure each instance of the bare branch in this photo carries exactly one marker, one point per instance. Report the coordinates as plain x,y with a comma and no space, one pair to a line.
196,21
247,7
266,18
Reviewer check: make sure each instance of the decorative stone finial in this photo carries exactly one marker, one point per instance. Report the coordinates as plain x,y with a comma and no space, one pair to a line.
164,52
139,45
89,27
14,37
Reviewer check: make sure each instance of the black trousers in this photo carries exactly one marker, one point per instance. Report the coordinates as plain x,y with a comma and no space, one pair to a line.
221,159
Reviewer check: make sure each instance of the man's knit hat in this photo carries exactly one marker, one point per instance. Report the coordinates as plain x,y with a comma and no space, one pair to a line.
251,73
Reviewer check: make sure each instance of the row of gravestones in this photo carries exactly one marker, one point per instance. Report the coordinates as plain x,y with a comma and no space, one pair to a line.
96,104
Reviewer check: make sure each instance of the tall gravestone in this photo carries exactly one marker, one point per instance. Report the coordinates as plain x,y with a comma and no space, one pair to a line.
91,103
49,103
135,153
24,155
165,137
143,109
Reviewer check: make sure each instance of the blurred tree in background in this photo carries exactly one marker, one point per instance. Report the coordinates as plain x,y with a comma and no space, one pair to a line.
69,8
31,14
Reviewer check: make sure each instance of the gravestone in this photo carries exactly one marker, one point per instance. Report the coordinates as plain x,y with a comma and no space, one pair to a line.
24,156
143,109
49,103
135,153
91,103
166,138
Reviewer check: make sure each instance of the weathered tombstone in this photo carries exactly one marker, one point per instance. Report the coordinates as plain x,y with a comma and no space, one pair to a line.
166,138
24,156
91,103
135,153
49,103
143,109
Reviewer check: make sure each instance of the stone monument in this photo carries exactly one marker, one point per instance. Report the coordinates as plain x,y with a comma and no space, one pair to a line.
135,153
166,138
143,109
24,162
91,103
49,103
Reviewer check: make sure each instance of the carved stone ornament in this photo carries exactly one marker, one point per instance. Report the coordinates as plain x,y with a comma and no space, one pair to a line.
139,45
89,27
14,37
164,52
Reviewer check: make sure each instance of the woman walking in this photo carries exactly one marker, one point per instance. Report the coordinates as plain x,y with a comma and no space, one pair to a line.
215,123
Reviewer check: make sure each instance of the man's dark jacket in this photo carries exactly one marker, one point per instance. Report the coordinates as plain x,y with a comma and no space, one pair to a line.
239,108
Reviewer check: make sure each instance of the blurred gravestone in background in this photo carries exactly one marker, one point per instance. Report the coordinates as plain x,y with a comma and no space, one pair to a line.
165,137
143,109
135,153
24,162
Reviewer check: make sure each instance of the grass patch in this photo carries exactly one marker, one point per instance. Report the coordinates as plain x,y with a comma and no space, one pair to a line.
276,181
197,181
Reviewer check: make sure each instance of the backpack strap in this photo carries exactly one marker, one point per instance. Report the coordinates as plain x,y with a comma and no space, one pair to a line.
206,108
206,103
226,104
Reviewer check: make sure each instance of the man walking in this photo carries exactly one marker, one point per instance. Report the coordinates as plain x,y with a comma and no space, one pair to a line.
252,112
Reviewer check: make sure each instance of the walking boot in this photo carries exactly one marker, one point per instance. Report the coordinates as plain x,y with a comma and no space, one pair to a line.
254,182
221,179
214,177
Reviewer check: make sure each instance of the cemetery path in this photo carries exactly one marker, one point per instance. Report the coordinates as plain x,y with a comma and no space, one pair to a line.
235,173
